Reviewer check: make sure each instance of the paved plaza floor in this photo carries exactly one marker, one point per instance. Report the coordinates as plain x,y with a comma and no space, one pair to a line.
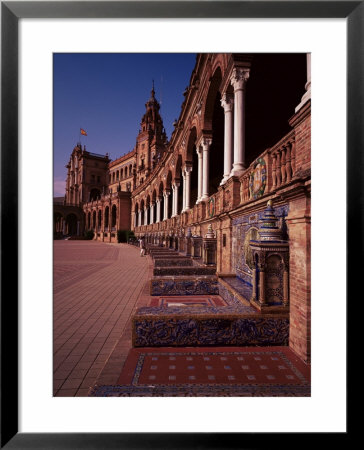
96,289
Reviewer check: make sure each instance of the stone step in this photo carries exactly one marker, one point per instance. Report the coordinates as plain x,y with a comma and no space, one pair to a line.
182,285
185,271
152,327
168,262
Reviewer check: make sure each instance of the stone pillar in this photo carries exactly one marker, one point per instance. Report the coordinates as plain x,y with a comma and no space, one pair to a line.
139,217
261,286
135,219
206,143
166,198
307,94
285,288
64,227
158,201
199,191
254,284
227,103
188,242
210,248
146,215
151,213
188,170
238,80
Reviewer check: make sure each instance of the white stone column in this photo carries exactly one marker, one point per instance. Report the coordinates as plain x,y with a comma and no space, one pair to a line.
151,213
307,94
158,201
175,187
166,199
200,168
206,143
188,170
139,217
64,227
146,215
227,103
238,80
135,219
184,190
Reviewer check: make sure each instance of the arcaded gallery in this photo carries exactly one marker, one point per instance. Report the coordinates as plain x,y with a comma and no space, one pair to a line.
222,206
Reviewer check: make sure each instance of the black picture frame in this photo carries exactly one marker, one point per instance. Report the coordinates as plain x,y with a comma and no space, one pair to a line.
11,12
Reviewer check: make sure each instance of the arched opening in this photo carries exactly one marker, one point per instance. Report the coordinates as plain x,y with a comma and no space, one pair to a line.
106,218
113,216
169,188
94,194
88,220
214,121
94,220
99,218
161,198
71,224
179,179
142,206
193,158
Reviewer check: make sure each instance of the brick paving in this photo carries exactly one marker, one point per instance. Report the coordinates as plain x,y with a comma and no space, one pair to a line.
96,289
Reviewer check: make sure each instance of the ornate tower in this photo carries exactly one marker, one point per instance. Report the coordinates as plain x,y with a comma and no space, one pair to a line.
151,140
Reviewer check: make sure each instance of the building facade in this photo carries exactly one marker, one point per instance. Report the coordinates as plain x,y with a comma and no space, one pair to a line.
242,142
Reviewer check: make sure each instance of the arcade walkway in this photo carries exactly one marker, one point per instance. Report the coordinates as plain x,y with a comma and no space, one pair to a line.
96,287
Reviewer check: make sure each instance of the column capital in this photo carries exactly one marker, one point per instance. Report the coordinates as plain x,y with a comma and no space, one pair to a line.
239,77
176,184
188,168
167,192
206,143
227,102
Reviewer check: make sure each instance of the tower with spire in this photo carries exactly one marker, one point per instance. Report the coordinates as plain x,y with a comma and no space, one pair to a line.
151,140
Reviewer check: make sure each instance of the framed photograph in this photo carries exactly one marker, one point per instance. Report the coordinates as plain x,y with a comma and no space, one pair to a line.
32,33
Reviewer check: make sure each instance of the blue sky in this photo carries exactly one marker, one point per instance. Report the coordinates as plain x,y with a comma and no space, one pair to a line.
105,94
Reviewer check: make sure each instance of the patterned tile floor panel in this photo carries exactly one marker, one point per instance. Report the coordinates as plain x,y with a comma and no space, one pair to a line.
221,371
187,301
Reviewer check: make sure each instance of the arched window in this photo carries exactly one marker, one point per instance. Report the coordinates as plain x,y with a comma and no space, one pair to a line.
113,216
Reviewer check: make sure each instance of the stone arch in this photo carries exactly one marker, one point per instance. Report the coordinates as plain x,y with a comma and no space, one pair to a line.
192,158
209,103
214,124
142,206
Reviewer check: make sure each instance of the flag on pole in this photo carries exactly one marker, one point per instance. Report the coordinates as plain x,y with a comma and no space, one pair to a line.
82,131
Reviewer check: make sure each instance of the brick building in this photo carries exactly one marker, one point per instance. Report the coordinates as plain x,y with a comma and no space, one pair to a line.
242,142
